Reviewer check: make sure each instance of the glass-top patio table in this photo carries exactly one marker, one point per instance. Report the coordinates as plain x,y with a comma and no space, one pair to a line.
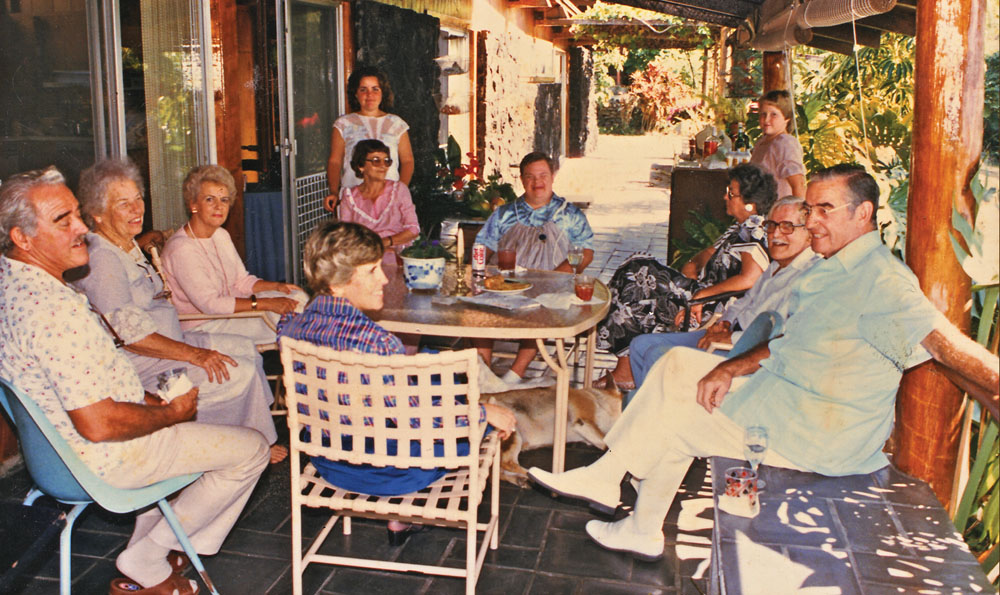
417,312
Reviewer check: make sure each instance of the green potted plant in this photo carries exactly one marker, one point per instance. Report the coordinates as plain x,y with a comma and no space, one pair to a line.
423,263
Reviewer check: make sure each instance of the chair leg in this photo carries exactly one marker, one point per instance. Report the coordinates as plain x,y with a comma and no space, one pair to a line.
175,525
66,549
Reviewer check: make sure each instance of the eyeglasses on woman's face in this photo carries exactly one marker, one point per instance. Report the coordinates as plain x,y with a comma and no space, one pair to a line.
378,161
731,195
786,227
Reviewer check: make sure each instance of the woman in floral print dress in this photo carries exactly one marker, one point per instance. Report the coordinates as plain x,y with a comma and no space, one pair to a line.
648,296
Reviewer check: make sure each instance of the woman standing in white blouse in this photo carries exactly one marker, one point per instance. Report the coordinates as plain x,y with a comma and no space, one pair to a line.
370,97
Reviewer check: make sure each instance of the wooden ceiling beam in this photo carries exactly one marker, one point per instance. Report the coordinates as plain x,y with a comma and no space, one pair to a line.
533,4
684,11
867,36
902,20
599,23
832,45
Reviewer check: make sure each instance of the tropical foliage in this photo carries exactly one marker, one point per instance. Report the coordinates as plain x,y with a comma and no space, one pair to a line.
978,512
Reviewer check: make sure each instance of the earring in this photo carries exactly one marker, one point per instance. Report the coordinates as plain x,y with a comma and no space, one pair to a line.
193,211
749,208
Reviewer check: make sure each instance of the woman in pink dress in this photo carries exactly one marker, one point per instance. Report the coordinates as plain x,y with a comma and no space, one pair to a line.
205,271
382,205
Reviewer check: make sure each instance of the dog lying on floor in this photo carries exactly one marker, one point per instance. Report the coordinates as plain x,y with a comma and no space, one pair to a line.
591,413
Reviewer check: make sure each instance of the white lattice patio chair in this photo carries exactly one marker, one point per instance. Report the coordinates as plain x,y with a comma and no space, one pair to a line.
334,394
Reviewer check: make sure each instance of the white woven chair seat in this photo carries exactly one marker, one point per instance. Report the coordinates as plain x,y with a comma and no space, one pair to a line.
444,500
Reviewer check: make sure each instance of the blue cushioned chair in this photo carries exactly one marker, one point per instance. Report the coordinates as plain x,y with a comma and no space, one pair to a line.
58,472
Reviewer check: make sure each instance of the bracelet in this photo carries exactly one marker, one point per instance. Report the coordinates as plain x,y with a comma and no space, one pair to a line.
253,302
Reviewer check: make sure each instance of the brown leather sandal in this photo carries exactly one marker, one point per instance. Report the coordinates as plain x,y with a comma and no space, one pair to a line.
175,584
178,561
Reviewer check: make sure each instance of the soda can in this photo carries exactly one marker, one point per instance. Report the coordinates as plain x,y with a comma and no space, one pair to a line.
479,258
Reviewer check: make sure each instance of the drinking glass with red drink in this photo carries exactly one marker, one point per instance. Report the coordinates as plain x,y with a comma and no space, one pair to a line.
507,259
583,285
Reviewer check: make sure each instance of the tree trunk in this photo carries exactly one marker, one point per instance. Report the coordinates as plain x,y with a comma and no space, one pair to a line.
947,140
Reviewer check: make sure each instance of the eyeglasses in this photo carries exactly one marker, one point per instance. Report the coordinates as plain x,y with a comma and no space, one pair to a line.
731,195
377,161
821,210
531,178
786,227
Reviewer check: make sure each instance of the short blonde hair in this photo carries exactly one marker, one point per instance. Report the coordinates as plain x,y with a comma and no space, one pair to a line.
335,250
206,173
782,100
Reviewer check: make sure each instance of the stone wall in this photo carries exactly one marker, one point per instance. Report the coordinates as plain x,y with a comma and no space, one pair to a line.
548,120
515,116
581,137
403,43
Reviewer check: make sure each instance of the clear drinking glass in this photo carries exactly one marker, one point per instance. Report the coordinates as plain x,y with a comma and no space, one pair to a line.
755,447
574,257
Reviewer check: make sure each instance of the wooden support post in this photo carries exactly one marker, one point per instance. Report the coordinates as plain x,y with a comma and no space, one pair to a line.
225,51
947,140
776,71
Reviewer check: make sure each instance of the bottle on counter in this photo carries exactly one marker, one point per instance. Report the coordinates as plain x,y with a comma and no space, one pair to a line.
741,141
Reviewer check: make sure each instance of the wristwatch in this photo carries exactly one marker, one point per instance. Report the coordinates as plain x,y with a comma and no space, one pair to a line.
253,302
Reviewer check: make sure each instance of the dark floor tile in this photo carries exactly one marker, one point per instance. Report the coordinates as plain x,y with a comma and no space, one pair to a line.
314,578
572,520
926,573
611,588
794,522
575,554
899,488
89,543
431,547
96,519
235,573
367,540
527,527
830,569
16,483
788,482
258,544
513,557
662,573
270,514
931,533
553,584
98,577
870,528
49,567
350,581
492,581
36,586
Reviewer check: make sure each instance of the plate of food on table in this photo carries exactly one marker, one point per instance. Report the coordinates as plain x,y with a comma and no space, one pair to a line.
501,284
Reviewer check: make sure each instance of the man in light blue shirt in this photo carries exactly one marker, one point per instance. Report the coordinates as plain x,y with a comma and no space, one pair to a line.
825,390
541,228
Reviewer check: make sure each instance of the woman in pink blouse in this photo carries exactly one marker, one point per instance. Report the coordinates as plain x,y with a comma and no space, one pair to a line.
204,269
382,205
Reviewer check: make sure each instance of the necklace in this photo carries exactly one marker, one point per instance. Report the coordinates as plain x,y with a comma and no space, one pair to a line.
221,268
127,248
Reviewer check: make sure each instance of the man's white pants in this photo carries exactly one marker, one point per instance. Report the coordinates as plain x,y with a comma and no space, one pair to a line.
232,459
664,428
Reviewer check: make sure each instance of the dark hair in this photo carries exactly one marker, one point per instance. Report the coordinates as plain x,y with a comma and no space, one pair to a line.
95,180
861,186
335,250
363,149
757,186
782,100
538,156
354,81
16,208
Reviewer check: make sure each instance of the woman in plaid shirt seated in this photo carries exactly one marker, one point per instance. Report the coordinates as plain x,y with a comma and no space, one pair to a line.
343,269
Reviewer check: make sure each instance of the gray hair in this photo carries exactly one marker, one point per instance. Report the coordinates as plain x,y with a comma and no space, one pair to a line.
94,183
206,173
335,250
16,208
785,201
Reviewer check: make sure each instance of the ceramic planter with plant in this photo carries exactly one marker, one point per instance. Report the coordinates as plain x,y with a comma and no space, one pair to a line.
423,263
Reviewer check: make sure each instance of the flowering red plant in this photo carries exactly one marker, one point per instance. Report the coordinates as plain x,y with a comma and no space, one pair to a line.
467,172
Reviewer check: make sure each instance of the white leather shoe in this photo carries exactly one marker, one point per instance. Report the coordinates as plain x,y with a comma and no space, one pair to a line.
620,537
602,495
514,381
